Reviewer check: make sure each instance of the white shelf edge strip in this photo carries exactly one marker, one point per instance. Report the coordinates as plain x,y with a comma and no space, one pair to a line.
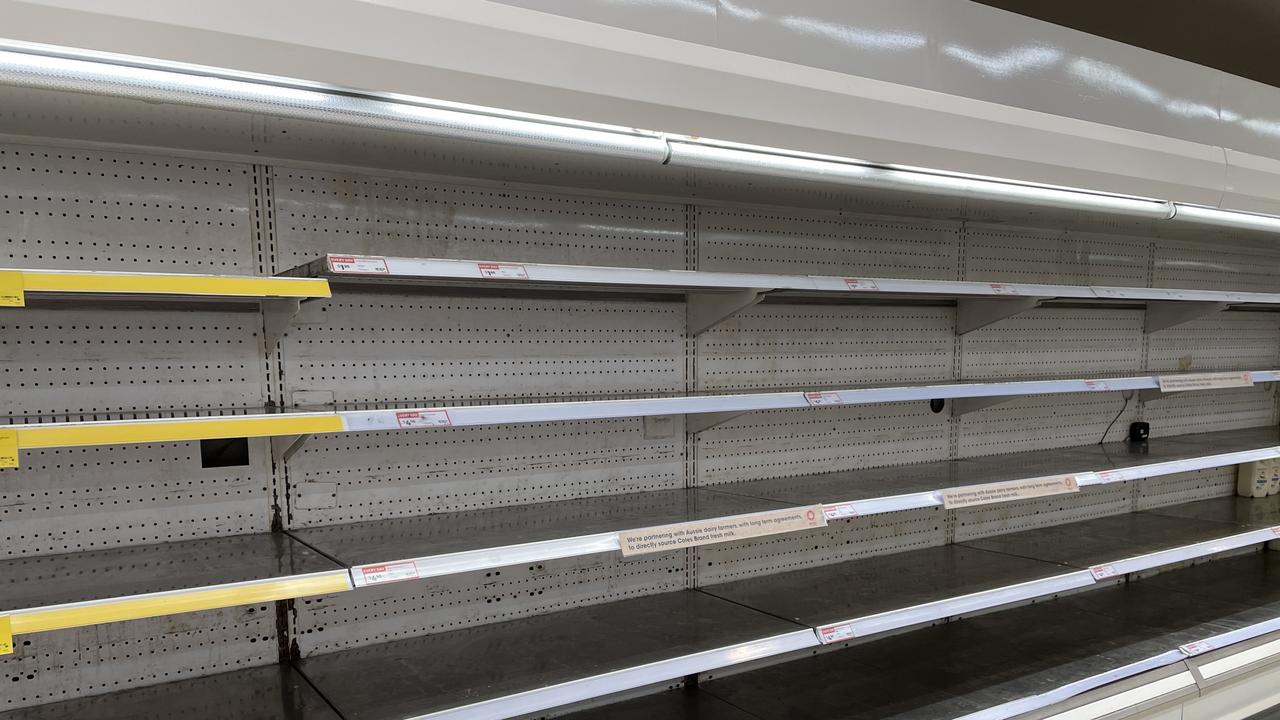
396,570
1017,707
402,268
905,617
467,415
1102,477
1186,552
480,559
171,593
49,68
1245,657
626,679
1104,707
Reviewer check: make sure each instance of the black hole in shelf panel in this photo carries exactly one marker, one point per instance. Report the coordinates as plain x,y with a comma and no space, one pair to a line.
224,452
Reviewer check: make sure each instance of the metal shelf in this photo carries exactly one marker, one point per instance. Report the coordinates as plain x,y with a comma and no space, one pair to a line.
275,692
520,666
1001,665
427,546
412,548
18,286
709,410
873,595
593,651
1127,643
715,296
53,592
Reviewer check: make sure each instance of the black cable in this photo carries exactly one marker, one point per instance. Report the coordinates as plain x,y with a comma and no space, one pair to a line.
1110,425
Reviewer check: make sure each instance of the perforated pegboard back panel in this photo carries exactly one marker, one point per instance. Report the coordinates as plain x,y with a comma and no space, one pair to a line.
408,609
72,499
825,243
87,362
783,443
1193,412
1000,518
375,475
1045,421
319,212
841,540
1056,342
782,346
1186,487
1215,266
67,664
999,253
97,210
373,347
1222,341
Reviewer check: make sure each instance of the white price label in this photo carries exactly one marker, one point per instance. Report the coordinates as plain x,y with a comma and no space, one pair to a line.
1276,531
389,572
423,418
718,530
835,633
1004,289
860,284
840,510
1097,385
1110,476
1199,647
823,398
358,265
503,271
1204,381
971,495
1102,572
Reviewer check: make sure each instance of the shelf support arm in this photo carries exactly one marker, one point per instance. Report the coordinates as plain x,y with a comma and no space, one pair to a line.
964,406
698,422
975,313
1164,314
277,315
705,310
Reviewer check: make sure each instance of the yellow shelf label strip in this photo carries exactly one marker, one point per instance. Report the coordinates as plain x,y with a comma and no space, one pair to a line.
6,635
24,622
159,284
11,289
8,448
126,432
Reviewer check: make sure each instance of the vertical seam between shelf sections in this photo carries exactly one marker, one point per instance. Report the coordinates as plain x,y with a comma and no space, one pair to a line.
691,557
954,423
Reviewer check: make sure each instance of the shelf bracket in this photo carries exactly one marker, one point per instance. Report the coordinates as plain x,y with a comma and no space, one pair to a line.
698,422
975,313
1164,314
705,310
964,406
284,447
277,315
1150,395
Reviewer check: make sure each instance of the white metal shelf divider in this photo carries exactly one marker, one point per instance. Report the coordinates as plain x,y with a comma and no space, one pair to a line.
716,296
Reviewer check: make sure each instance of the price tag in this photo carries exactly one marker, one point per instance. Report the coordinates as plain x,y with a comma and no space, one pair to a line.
1204,381
8,448
1004,289
1110,476
840,510
358,265
1102,572
389,572
1097,385
12,293
1276,531
835,633
823,398
6,635
1199,647
503,271
423,418
861,284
